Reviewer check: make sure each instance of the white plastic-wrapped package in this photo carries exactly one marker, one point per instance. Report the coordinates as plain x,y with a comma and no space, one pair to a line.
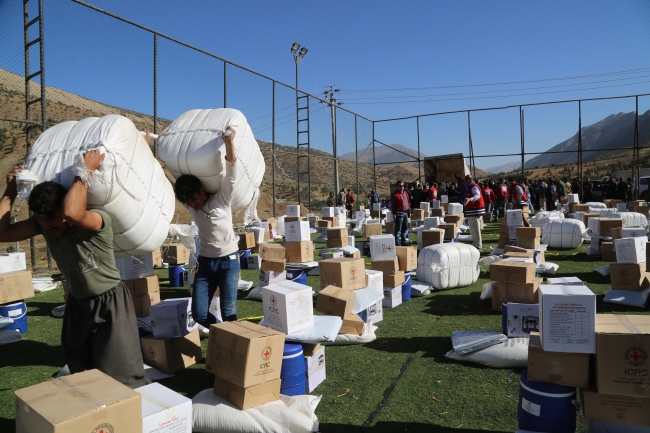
542,218
130,184
512,353
446,266
566,233
593,205
193,144
631,219
213,414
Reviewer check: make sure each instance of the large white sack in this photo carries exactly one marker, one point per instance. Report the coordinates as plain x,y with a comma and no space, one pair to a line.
542,218
566,233
593,205
632,219
512,353
193,144
213,414
446,266
130,185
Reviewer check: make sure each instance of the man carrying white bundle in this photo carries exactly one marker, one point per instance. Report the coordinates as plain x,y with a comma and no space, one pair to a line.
99,325
474,210
218,261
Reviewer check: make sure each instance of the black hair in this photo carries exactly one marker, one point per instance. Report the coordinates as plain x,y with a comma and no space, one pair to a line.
186,187
46,199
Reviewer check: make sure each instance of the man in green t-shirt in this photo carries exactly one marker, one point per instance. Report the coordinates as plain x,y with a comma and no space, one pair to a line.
99,325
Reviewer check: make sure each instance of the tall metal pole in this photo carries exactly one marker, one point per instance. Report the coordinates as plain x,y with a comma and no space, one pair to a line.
273,148
636,181
417,119
523,146
582,183
356,151
334,151
295,60
374,161
225,87
41,35
155,90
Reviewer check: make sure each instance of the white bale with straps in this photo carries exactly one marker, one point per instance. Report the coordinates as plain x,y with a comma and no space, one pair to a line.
193,144
130,185
447,266
566,233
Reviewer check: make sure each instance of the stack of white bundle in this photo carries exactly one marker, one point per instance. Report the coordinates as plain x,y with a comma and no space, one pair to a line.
446,266
130,185
542,218
567,233
631,219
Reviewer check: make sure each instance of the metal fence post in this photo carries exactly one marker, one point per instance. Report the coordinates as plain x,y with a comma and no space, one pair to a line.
417,119
582,183
374,161
155,90
225,89
273,147
523,146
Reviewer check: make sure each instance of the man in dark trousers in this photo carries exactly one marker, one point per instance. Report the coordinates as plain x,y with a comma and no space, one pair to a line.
99,326
401,209
373,197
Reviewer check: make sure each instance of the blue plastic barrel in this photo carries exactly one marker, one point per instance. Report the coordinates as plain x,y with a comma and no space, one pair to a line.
18,312
293,373
406,289
364,315
176,275
297,276
243,259
546,407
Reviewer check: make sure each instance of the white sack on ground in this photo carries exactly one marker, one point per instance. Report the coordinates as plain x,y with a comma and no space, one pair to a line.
632,298
486,293
566,233
130,185
8,336
603,270
509,354
324,330
213,414
347,339
631,219
547,268
446,266
193,144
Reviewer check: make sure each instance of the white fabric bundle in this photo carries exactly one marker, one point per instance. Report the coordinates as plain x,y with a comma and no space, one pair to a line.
512,353
566,233
593,205
193,144
542,218
130,184
631,219
446,266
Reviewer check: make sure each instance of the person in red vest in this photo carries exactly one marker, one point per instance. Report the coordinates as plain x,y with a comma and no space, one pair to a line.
349,202
474,210
489,198
401,209
433,192
503,196
519,197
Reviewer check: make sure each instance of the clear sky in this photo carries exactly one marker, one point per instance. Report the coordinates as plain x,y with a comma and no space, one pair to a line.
390,59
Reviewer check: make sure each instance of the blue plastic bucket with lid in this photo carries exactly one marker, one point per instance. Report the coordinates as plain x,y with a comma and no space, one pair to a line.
243,258
18,312
546,407
406,289
297,275
176,275
293,372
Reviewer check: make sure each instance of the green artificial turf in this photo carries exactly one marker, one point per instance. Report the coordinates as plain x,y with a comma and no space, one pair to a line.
400,382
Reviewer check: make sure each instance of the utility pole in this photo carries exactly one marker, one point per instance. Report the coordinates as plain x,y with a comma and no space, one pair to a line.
329,97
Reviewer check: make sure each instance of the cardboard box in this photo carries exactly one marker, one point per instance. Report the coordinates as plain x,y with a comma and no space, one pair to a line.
418,214
346,273
455,219
332,255
631,250
521,319
392,297
336,243
593,224
587,215
297,231
569,369
529,243
337,233
623,343
290,219
497,298
16,286
567,320
246,398
82,402
407,258
382,247
172,318
375,213
375,280
606,224
528,232
352,325
629,276
272,252
394,280
143,286
518,255
157,258
618,409
432,237
12,262
254,261
514,249
522,293
334,301
174,254
390,227
273,265
504,240
565,281
387,267
293,210
607,252
288,306
171,355
299,252
514,217
266,278
375,313
573,207
432,222
164,411
244,353
137,266
512,233
450,230
614,203
573,198
582,208
644,210
633,232
314,366
512,272
328,212
246,241
257,248
437,212
272,223
455,209
143,303
324,224
372,230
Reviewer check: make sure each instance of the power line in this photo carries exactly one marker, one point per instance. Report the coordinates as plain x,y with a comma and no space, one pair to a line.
629,71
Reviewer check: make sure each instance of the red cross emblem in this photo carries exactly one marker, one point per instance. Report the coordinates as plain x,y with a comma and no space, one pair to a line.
633,234
623,273
389,248
273,301
636,356
266,353
620,416
152,352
